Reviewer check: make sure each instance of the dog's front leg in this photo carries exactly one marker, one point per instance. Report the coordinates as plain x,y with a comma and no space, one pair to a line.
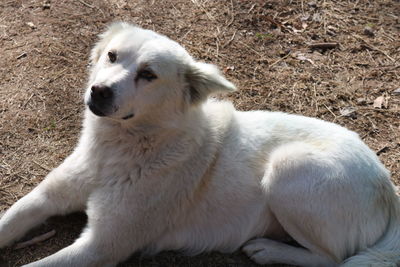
55,195
89,250
121,220
96,247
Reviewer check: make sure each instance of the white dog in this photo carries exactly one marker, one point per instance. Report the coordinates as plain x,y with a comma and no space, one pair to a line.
158,167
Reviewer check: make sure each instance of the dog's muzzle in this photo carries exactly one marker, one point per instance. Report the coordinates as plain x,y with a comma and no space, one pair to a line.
101,100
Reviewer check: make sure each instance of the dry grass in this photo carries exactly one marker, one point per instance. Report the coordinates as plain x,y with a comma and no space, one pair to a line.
268,48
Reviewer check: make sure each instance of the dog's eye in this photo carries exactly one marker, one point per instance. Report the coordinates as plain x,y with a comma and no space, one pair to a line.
146,74
112,56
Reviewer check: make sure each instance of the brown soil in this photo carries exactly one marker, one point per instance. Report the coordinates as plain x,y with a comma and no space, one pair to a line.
263,46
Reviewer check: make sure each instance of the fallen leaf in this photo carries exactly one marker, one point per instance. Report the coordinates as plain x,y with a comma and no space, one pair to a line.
302,57
229,68
348,112
305,17
378,102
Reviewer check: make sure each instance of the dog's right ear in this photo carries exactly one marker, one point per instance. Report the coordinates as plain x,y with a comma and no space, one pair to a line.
105,37
205,79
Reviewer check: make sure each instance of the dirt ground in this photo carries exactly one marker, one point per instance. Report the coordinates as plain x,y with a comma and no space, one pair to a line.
335,60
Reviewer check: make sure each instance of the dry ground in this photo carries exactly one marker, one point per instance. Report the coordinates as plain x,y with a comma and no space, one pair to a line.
263,46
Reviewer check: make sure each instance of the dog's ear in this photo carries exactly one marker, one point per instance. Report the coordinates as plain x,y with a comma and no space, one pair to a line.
205,79
104,38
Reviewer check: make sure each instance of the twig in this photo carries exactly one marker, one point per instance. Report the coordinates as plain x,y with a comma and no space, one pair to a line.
387,35
204,10
251,8
335,117
27,101
184,36
368,45
65,117
382,150
14,47
232,16
279,60
230,40
302,6
40,165
323,45
249,47
24,54
380,109
217,41
86,4
35,240
3,188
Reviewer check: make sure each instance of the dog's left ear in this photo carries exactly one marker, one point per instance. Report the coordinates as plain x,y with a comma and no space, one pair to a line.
205,79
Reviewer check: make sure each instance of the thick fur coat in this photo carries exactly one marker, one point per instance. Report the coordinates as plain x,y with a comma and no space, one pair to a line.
159,166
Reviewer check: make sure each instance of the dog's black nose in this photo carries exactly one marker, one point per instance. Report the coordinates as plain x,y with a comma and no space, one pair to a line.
100,92
101,100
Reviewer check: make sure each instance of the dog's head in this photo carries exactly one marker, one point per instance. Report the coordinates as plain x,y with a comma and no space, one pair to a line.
137,72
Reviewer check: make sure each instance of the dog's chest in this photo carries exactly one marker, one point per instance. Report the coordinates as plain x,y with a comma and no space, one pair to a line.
132,159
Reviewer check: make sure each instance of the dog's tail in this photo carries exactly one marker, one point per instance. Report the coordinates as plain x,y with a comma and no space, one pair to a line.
386,252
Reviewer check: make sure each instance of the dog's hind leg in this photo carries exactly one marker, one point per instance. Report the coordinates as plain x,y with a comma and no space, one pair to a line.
267,251
57,194
327,201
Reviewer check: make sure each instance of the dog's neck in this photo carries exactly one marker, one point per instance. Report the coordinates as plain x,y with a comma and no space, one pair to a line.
147,130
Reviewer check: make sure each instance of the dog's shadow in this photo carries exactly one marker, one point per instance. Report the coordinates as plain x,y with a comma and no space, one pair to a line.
68,229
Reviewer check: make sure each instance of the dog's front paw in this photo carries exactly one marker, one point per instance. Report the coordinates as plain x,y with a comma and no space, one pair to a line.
262,251
1,243
4,233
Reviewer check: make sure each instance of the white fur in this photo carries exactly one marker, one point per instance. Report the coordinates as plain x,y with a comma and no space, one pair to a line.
189,174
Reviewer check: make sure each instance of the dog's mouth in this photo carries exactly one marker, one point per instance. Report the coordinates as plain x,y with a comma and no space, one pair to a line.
127,117
103,112
96,110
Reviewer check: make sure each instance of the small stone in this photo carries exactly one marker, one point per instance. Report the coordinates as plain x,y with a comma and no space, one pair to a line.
312,4
46,4
283,53
361,101
31,25
369,31
348,112
396,92
317,17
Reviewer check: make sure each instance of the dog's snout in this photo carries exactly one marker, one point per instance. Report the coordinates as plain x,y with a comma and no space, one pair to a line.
101,92
101,100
